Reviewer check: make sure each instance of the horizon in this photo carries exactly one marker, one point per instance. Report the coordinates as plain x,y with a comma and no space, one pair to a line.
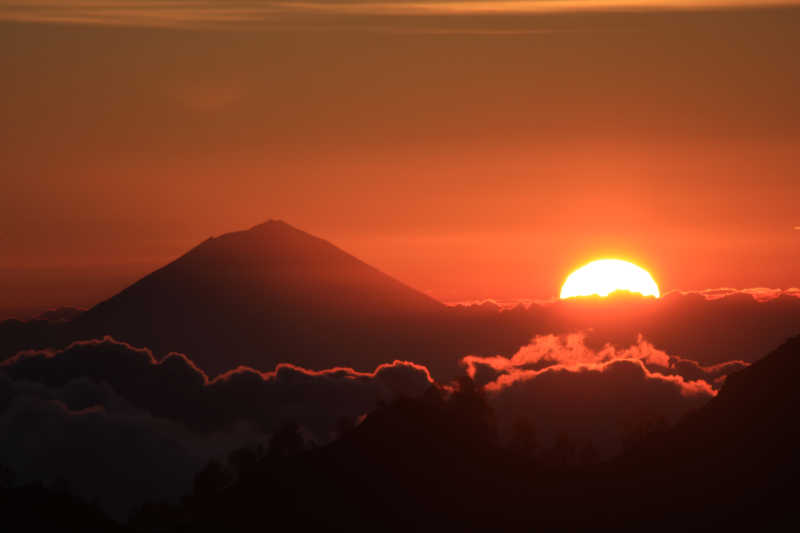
760,293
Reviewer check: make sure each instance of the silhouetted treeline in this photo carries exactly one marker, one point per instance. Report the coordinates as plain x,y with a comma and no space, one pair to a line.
48,507
435,463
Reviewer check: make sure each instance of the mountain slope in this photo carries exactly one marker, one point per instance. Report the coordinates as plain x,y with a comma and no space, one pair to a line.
262,296
735,459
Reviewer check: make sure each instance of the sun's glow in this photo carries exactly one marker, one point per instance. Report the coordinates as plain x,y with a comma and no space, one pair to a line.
604,276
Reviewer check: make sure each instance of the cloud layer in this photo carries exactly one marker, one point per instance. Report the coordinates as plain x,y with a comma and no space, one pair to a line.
562,385
710,327
176,389
571,352
104,448
122,427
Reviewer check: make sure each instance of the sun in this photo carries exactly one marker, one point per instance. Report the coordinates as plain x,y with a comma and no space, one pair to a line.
604,276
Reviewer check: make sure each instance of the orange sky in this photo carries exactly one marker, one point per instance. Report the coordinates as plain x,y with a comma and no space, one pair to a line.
469,155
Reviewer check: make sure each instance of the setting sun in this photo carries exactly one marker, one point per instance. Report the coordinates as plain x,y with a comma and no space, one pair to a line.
604,276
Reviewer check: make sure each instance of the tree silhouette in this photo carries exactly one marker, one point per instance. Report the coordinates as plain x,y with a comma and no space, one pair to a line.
587,453
211,480
641,428
244,461
7,477
563,454
471,411
524,442
287,440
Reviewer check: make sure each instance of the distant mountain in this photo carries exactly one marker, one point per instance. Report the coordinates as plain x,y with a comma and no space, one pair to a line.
270,294
60,314
276,294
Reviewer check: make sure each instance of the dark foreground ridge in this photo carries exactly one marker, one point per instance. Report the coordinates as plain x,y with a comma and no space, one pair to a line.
423,461
434,464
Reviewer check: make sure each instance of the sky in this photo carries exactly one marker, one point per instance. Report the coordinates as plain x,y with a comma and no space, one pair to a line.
470,149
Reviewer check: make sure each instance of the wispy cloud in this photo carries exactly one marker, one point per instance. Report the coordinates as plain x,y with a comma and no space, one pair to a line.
260,13
470,7
149,13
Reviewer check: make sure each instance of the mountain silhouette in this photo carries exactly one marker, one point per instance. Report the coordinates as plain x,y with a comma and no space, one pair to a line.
276,294
753,420
733,461
434,463
262,296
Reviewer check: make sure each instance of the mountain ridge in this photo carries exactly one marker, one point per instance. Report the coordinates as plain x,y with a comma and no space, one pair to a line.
269,294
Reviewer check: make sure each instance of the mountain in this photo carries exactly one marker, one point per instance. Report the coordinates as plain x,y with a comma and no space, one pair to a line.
734,460
267,295
275,294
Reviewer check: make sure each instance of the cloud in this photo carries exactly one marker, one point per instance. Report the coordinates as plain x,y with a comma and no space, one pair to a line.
107,450
570,351
710,326
145,13
759,294
122,426
519,7
194,14
562,385
176,389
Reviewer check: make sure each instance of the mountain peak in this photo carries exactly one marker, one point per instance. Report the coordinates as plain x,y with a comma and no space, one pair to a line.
271,224
272,232
261,296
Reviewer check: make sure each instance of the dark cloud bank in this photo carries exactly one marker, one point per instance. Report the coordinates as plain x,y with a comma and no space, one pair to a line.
121,427
115,422
273,294
709,327
565,386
